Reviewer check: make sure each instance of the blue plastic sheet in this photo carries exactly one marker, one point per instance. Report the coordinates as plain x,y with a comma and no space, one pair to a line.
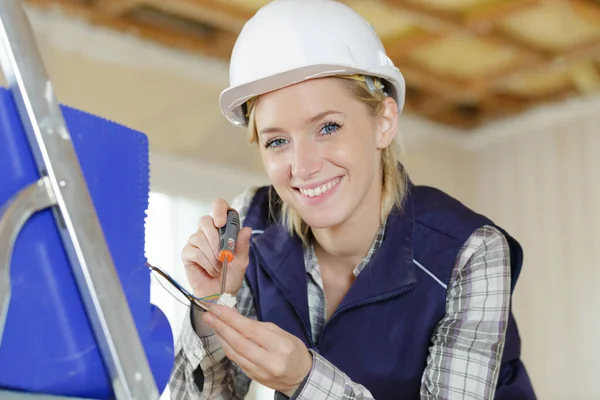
48,344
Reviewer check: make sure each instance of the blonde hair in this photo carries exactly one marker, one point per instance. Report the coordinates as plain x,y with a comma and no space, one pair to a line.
394,179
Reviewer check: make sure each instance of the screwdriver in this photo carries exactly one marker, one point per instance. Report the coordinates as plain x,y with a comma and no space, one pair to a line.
228,237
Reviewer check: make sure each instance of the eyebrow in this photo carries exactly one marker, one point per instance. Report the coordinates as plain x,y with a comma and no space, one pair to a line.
310,120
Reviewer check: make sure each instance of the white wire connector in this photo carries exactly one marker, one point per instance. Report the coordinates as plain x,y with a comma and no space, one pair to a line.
227,300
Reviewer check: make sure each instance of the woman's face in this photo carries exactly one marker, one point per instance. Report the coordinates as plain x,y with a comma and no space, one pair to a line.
321,148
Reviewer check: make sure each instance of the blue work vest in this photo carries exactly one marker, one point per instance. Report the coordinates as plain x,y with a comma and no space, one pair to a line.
381,332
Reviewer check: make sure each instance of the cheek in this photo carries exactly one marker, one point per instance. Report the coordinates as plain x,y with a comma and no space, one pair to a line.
277,168
353,152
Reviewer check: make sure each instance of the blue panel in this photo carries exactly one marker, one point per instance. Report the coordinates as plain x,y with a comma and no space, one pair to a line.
48,345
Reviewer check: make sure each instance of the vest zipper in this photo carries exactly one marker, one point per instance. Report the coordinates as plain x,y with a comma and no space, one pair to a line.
284,292
364,303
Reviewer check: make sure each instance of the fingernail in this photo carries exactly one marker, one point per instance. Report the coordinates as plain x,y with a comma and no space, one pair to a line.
215,310
208,318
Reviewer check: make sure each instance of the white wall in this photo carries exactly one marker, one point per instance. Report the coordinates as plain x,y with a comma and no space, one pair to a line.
538,176
542,182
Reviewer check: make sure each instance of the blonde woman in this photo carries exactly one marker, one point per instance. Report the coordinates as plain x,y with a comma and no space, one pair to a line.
351,282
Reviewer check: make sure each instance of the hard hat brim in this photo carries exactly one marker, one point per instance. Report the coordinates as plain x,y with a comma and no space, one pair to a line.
233,98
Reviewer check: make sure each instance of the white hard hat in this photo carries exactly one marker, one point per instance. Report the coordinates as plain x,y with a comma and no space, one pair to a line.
290,41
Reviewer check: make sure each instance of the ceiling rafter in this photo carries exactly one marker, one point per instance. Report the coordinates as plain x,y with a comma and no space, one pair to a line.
204,11
451,23
463,65
576,55
116,7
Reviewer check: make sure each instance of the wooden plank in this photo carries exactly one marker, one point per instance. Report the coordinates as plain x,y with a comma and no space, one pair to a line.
453,23
585,77
218,45
203,11
116,7
398,48
445,88
482,17
573,56
587,10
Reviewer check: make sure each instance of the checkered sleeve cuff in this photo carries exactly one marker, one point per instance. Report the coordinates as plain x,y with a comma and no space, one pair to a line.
203,351
325,382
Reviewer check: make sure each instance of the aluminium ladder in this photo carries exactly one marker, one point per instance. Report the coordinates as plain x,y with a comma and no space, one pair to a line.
62,187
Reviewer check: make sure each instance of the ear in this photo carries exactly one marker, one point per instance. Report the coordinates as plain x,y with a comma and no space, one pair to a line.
388,123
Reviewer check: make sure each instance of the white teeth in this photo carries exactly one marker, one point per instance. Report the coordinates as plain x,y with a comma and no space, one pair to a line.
318,191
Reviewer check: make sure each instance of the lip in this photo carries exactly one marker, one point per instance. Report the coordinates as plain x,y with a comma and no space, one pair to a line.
317,184
317,200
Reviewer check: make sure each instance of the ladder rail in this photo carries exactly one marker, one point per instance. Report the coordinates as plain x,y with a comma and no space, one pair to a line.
74,212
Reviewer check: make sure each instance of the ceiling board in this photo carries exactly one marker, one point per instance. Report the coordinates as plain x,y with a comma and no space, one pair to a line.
453,5
463,57
541,84
552,25
246,5
466,62
388,21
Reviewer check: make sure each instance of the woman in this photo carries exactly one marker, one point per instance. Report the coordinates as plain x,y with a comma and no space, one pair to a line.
351,283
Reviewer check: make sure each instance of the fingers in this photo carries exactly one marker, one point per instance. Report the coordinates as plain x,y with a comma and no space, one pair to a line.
202,250
208,228
206,258
199,252
242,247
234,356
245,347
264,334
220,207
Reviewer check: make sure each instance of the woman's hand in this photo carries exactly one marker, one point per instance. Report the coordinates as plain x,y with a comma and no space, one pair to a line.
266,353
200,255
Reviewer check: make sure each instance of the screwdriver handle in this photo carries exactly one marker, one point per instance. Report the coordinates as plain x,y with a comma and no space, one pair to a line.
228,236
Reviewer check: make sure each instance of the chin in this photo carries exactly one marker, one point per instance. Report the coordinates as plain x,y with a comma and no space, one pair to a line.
322,219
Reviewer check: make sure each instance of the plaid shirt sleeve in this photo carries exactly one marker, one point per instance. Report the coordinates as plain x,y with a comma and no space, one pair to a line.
201,370
467,346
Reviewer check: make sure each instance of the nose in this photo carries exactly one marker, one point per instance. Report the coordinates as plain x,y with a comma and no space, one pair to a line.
306,159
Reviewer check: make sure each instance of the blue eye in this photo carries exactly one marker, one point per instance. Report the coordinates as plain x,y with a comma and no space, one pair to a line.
275,143
330,128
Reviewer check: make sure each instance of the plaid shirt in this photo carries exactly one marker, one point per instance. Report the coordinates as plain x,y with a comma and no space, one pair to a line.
463,361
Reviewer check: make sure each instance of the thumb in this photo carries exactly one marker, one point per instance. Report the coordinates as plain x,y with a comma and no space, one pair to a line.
242,247
240,260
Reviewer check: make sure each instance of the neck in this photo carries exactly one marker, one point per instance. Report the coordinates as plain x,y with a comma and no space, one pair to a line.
349,242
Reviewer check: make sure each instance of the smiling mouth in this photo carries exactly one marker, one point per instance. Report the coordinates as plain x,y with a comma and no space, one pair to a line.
320,190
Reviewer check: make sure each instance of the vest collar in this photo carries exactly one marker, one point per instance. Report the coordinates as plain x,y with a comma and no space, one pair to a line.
390,272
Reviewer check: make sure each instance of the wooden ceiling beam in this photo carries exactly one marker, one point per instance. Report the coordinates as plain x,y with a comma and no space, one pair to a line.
481,17
399,48
203,11
576,55
218,45
586,9
115,7
447,22
585,76
488,109
444,88
73,9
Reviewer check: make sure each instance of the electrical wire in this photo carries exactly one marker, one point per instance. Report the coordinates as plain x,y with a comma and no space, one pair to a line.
171,293
194,300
